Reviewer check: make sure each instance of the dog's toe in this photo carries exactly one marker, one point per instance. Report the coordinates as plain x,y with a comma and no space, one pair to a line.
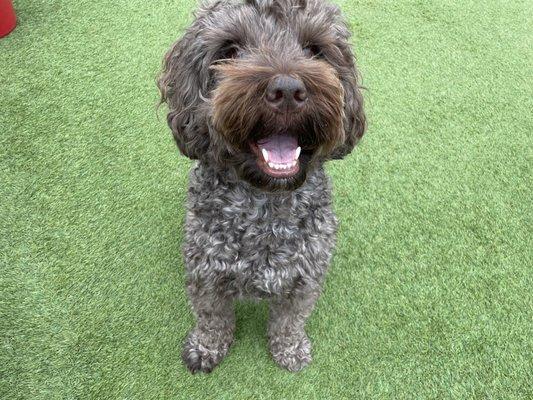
192,359
290,353
200,358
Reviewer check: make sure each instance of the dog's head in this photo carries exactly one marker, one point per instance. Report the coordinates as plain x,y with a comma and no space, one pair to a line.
267,87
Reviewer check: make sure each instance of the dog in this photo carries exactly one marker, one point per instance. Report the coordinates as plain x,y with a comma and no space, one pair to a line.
261,93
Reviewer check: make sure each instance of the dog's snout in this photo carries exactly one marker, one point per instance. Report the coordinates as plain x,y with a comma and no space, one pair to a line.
286,93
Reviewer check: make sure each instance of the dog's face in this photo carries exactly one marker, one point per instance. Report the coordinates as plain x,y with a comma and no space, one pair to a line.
267,87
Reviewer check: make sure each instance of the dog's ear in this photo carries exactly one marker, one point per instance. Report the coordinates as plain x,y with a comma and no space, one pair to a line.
354,116
183,80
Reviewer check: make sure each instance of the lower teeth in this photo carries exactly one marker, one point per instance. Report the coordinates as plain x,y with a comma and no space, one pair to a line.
281,167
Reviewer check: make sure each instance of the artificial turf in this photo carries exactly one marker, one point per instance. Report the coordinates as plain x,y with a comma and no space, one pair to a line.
430,292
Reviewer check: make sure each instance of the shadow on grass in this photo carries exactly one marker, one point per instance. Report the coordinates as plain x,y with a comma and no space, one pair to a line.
251,321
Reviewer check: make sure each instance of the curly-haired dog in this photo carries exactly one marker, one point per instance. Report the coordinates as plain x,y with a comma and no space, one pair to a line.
261,93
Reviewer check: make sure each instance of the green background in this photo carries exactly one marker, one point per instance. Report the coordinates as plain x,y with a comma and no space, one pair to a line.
430,292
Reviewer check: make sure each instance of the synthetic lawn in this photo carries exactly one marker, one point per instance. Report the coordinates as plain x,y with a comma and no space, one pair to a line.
430,292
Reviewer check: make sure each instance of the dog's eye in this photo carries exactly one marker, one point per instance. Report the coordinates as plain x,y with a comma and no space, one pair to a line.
229,52
312,51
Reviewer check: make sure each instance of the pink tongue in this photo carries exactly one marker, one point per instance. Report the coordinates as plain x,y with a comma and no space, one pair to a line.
281,148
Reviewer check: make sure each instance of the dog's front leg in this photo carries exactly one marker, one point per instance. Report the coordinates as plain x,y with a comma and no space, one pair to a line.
289,345
209,341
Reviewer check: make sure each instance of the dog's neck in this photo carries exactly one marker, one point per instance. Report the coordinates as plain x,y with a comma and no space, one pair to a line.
228,180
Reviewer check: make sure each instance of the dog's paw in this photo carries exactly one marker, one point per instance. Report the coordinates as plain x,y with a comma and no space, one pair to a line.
291,353
202,353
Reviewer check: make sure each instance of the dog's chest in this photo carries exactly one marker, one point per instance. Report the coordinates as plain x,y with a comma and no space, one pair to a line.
258,244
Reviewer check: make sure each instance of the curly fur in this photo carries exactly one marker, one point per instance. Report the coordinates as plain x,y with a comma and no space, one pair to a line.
248,234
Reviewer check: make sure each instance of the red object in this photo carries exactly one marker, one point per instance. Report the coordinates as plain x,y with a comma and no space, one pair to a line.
8,20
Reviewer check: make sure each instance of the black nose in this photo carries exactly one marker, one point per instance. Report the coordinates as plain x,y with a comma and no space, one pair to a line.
285,93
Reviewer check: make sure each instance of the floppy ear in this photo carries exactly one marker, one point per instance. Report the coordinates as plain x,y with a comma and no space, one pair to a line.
354,116
183,79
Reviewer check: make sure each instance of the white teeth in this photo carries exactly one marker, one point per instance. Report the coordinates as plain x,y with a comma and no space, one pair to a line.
281,167
265,154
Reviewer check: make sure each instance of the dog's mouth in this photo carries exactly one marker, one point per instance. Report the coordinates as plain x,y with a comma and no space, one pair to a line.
278,155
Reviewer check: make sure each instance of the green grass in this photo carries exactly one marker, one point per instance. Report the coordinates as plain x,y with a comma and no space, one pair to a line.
430,292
